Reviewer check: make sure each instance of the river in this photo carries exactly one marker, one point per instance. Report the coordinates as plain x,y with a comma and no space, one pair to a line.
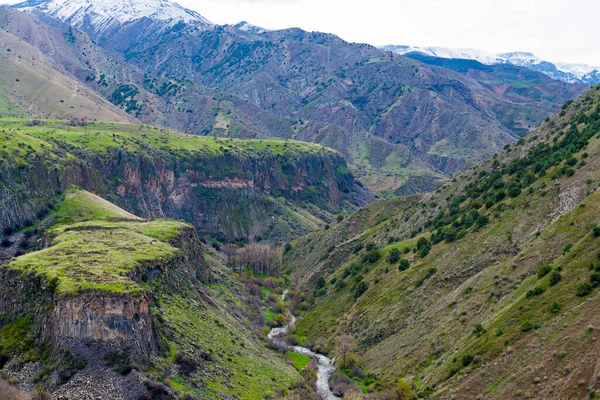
325,364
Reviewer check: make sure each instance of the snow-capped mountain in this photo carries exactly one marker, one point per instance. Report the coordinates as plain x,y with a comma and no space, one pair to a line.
101,16
248,27
572,73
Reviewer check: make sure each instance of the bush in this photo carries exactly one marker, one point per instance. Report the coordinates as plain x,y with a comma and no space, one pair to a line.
321,283
5,243
339,218
479,330
466,360
372,256
287,248
361,287
567,248
393,256
422,242
538,290
584,289
481,221
371,246
404,265
543,271
187,365
526,326
555,278
555,308
596,231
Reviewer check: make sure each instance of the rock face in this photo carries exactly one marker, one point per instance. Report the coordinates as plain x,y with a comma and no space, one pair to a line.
228,196
97,322
109,321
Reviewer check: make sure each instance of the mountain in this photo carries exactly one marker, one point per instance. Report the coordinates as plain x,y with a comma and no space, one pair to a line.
571,73
485,288
30,85
247,27
403,126
101,17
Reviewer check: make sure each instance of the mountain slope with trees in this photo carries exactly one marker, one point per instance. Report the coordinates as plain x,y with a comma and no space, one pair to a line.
486,287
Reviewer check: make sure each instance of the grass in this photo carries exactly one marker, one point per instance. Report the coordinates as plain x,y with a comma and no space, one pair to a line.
55,141
300,361
100,252
253,372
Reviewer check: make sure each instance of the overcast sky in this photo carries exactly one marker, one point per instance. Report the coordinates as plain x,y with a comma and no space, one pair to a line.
556,30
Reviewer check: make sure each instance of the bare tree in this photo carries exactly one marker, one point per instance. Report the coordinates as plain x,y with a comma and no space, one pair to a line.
345,346
257,257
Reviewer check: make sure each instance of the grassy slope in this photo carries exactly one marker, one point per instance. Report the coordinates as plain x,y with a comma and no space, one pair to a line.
29,83
101,137
412,324
95,246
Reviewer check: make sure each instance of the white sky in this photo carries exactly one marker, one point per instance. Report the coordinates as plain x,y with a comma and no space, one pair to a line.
556,30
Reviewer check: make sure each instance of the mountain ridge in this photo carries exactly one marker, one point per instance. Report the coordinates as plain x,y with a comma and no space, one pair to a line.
567,72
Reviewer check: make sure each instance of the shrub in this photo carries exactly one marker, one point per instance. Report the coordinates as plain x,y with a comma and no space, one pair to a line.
370,246
481,221
5,242
372,256
526,326
536,291
596,231
339,218
555,308
479,330
584,289
287,248
393,256
187,365
555,278
404,265
466,360
567,248
361,287
321,282
595,279
422,242
543,271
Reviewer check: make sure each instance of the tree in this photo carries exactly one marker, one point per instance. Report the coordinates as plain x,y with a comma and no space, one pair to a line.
404,265
394,256
345,346
403,390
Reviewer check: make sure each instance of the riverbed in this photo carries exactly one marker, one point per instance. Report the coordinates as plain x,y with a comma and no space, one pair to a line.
325,364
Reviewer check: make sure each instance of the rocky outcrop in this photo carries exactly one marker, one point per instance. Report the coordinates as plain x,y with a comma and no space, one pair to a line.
108,321
96,322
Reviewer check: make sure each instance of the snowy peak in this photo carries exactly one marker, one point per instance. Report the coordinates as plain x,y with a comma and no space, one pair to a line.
572,73
104,15
248,27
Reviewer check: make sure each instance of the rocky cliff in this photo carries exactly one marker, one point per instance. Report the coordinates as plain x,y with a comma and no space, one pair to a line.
228,189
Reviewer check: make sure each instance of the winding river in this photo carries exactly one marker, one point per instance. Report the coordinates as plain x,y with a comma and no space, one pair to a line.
325,364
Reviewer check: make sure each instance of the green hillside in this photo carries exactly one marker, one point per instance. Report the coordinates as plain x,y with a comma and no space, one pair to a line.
497,288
